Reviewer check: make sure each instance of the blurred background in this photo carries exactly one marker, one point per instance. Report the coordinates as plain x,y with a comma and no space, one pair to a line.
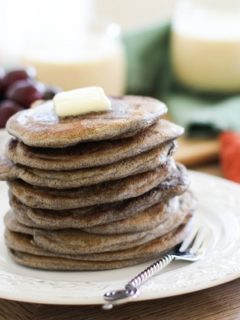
185,52
19,17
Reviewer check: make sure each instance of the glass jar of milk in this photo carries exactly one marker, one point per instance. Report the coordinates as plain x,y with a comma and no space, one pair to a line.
74,52
205,45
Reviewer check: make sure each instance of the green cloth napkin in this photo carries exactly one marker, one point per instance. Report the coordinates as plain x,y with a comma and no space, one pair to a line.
149,73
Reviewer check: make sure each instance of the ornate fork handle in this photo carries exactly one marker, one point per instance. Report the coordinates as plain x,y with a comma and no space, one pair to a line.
131,288
150,271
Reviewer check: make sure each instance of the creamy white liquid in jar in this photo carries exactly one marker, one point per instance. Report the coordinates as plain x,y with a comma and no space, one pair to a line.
96,61
71,49
205,45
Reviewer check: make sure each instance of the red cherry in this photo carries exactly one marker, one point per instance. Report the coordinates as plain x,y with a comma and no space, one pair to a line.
7,109
16,75
25,92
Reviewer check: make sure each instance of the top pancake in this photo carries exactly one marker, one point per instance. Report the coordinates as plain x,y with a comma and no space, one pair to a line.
41,127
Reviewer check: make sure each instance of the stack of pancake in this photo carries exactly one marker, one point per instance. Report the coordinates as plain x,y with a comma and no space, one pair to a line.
97,191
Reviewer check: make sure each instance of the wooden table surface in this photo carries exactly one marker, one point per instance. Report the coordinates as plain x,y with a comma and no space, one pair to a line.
217,303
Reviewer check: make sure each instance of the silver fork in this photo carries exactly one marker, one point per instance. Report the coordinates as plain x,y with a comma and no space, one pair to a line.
191,249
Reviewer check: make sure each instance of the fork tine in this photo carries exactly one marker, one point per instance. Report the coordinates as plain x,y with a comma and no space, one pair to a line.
189,239
205,242
198,240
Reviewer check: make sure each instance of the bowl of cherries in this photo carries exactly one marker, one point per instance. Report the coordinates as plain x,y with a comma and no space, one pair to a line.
19,89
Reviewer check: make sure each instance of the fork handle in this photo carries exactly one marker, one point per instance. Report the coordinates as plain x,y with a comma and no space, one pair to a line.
150,271
131,288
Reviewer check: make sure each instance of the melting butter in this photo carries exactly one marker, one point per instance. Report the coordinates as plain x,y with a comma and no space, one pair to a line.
81,101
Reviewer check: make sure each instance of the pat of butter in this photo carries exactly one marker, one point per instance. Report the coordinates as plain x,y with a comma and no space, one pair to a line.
81,101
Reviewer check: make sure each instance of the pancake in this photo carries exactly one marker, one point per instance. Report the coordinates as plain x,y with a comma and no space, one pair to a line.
72,241
93,154
5,168
107,192
12,224
76,242
160,214
101,214
143,162
143,221
25,252
41,127
150,218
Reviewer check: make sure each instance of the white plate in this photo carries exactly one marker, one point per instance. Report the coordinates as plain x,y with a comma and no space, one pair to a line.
219,209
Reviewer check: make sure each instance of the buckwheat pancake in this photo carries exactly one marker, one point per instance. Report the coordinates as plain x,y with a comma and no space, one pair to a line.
45,260
93,154
41,127
12,224
143,221
161,213
24,243
5,167
106,192
101,214
143,162
78,242
164,215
